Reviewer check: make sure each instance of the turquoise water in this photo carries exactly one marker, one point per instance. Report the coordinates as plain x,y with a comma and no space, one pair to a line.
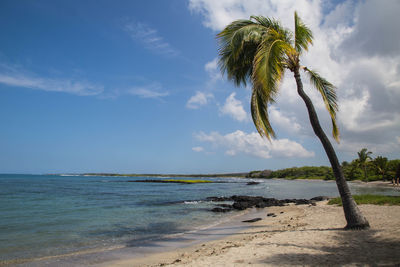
44,215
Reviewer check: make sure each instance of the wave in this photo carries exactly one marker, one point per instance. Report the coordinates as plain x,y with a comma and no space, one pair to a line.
193,202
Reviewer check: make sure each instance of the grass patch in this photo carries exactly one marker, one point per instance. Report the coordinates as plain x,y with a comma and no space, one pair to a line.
369,199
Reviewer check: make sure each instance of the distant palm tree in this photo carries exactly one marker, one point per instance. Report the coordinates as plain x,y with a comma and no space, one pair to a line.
259,50
381,165
363,159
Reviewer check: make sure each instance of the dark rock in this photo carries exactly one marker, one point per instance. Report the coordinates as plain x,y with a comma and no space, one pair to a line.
302,201
253,220
245,202
241,205
219,199
220,210
252,183
320,198
270,214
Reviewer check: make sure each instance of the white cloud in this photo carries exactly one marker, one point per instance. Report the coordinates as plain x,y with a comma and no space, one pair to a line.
197,149
212,69
198,100
252,144
346,51
376,31
150,38
148,91
234,108
217,14
277,117
19,78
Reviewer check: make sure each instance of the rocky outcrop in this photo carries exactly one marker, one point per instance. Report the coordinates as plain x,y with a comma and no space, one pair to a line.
252,183
245,202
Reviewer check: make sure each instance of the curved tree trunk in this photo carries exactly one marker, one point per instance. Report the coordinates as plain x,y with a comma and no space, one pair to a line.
354,217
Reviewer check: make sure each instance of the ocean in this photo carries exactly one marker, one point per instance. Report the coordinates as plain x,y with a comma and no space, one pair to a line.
48,215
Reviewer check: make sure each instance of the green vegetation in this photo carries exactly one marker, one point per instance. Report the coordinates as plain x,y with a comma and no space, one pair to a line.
376,169
322,172
369,199
363,168
363,159
306,172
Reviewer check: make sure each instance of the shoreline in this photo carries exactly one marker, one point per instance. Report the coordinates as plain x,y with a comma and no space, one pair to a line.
168,245
301,235
227,226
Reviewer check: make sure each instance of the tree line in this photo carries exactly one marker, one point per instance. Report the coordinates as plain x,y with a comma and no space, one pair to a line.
364,168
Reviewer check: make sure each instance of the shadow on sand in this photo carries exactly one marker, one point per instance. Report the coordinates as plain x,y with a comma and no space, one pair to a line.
355,248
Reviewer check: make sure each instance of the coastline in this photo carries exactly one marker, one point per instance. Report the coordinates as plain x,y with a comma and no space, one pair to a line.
150,252
228,226
301,235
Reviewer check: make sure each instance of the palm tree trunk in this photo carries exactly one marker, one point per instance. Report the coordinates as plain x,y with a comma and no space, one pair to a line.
354,217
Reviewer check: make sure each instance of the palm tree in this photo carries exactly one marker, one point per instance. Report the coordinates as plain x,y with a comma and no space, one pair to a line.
363,158
259,50
381,164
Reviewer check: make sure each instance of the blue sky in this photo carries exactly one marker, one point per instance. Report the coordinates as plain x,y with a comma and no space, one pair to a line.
133,87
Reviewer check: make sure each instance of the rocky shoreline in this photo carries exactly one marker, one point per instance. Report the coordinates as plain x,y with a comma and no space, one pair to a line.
245,202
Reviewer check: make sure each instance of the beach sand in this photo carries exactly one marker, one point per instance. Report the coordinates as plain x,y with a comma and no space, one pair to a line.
302,235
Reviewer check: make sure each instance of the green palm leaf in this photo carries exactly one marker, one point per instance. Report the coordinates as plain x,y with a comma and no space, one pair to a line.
259,113
269,63
238,44
328,93
303,35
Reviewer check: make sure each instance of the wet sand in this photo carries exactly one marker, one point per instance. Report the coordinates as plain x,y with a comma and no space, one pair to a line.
300,235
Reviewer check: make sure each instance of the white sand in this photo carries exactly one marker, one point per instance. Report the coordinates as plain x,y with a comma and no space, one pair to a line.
300,236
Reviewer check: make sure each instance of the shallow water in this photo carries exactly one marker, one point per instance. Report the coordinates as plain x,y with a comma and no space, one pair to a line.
44,215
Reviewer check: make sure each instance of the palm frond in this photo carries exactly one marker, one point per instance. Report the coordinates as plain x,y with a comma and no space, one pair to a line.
276,26
328,93
303,35
259,113
252,33
237,45
269,63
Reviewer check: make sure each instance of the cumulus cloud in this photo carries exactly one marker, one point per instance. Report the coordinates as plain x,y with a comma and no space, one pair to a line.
252,144
356,47
278,118
198,100
20,78
143,33
234,108
376,31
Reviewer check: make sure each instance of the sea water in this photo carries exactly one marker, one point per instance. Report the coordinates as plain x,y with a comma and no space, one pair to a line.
47,215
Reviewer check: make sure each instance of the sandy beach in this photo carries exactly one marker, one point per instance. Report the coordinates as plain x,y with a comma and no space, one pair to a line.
301,235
